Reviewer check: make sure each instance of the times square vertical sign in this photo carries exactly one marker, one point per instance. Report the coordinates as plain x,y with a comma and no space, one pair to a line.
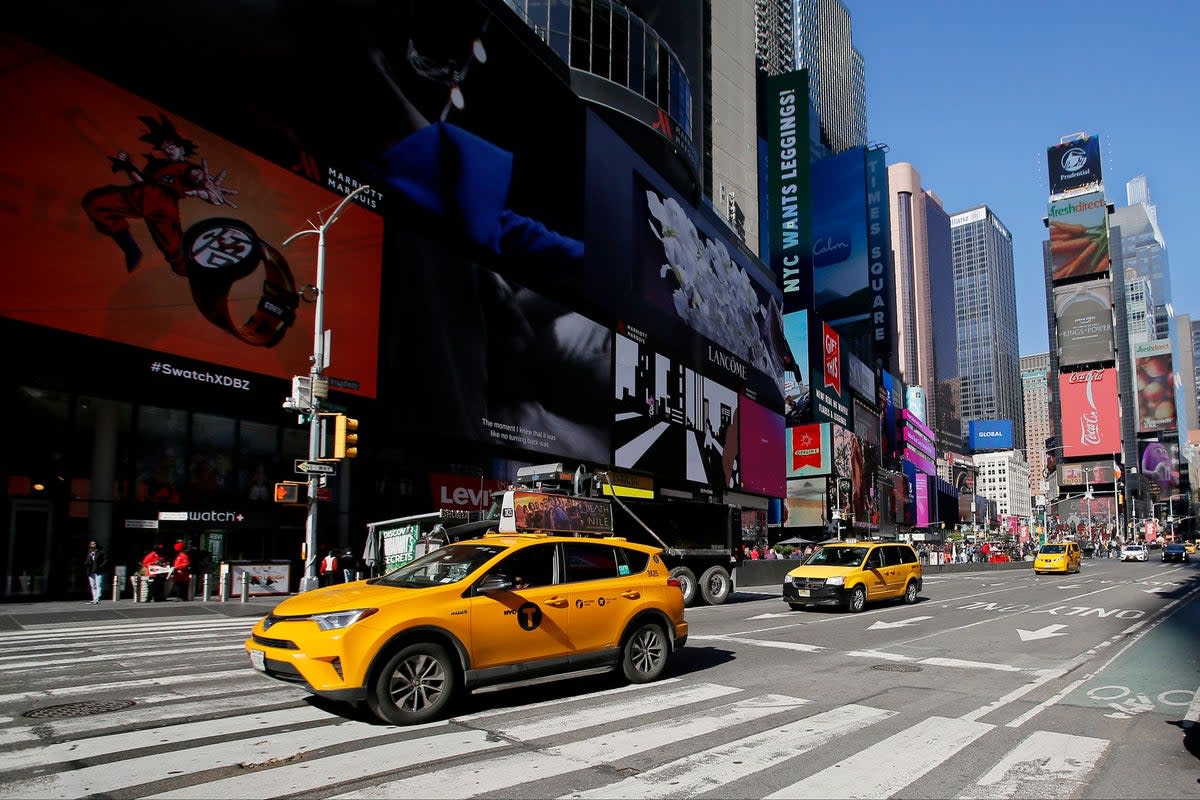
789,188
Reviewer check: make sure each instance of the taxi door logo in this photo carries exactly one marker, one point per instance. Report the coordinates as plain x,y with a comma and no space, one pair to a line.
832,356
529,616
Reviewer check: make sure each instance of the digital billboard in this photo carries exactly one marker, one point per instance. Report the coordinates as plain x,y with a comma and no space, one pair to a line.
1085,473
891,391
135,224
808,450
788,221
804,506
760,434
840,258
914,403
670,420
1160,464
829,396
1078,236
991,434
797,381
1084,322
857,461
1091,418
879,254
1074,164
1155,382
862,378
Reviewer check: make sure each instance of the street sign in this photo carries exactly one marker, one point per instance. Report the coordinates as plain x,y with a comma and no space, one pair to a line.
315,467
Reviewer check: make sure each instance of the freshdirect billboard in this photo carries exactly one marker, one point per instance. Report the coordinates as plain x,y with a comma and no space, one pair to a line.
1091,416
1078,236
1084,323
991,434
1074,164
1155,386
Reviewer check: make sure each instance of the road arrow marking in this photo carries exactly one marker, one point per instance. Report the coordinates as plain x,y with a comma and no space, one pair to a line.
1072,586
773,616
1041,633
1156,590
881,625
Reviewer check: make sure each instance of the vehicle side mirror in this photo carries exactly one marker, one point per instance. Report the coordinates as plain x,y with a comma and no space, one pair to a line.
495,583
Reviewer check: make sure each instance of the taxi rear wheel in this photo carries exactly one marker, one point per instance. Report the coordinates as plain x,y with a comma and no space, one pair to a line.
646,652
416,685
910,592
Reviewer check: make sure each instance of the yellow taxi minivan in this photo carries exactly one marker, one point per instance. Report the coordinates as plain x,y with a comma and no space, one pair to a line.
1064,557
501,608
852,573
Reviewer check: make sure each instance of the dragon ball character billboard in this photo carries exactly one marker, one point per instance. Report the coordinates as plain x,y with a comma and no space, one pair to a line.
134,225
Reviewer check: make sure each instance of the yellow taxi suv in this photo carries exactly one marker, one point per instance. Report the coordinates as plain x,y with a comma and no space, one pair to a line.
852,573
1064,557
487,611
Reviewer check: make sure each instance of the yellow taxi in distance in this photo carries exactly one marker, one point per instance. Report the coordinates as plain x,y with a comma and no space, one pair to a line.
1064,557
501,608
1190,548
850,573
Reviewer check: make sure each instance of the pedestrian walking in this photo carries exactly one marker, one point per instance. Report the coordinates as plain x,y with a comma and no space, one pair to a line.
181,572
94,566
155,567
328,571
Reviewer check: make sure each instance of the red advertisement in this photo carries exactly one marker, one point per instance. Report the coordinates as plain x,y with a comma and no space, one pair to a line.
1091,422
832,350
124,221
463,492
808,453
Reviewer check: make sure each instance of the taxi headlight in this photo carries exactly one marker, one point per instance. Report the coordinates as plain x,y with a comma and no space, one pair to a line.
341,619
838,581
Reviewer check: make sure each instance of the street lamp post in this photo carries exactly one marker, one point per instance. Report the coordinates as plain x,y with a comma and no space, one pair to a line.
320,359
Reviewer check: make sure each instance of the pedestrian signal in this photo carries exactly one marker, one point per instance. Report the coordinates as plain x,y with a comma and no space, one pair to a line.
291,492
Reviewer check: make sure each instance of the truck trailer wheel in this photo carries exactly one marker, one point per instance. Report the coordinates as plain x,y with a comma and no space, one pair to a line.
715,586
687,582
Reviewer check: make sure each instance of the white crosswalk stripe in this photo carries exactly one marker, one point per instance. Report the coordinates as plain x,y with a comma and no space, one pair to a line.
225,731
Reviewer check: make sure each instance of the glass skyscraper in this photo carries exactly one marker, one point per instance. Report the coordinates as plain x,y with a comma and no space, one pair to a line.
836,74
985,313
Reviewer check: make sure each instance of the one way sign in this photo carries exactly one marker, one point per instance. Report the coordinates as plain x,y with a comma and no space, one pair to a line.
315,468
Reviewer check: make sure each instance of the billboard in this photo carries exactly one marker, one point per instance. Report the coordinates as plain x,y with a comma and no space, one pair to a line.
829,400
857,461
804,506
891,391
1074,164
760,439
1155,381
1084,322
1085,473
1078,236
991,434
797,389
862,378
922,500
914,402
669,420
808,450
136,224
789,220
1091,418
840,258
962,474
879,254
1160,464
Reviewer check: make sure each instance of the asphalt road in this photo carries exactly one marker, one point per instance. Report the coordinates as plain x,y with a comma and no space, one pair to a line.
995,684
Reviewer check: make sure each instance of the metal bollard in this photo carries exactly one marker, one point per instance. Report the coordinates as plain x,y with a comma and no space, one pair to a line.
245,586
116,594
205,594
223,589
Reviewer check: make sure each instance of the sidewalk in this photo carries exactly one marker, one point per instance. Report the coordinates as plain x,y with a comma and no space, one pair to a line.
17,616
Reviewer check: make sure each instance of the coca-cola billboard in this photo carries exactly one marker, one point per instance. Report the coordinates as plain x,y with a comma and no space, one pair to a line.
1091,421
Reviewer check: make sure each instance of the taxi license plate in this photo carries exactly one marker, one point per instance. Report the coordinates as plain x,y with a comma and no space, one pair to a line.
258,660
802,593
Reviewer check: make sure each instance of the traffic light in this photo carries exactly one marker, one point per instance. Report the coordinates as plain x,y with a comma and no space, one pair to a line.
291,493
345,437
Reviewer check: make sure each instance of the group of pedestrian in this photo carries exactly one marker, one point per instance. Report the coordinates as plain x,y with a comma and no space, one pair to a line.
169,576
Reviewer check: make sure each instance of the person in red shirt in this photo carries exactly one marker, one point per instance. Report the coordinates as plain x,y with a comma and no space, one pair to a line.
181,572
153,564
329,569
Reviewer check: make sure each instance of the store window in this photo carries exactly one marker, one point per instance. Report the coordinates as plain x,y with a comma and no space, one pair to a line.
260,466
210,471
161,445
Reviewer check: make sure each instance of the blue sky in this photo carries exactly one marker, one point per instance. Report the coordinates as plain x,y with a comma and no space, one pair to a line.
971,93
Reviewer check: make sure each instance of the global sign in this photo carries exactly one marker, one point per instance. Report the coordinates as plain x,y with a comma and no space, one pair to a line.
991,434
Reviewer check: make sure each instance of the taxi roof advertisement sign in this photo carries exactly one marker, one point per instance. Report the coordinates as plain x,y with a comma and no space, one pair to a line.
1074,164
1078,236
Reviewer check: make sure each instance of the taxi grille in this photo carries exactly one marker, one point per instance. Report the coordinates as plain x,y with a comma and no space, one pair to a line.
808,583
282,644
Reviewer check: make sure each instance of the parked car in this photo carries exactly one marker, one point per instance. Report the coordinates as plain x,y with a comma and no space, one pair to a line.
1175,552
850,573
1133,552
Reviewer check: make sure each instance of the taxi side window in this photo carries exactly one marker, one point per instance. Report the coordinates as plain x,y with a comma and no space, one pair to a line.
875,560
893,555
529,567
589,562
631,562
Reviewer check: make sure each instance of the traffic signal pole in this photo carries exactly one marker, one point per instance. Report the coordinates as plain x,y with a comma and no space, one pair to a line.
320,358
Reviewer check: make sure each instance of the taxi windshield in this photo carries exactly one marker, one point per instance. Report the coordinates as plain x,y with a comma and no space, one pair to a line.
1054,548
445,565
838,557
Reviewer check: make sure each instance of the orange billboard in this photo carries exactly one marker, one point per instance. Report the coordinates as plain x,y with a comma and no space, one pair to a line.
124,221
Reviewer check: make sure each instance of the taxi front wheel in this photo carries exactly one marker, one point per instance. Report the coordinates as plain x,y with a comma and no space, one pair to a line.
857,599
646,652
416,685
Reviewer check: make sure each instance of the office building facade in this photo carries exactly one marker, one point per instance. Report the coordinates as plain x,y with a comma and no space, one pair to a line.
825,47
985,310
1035,390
